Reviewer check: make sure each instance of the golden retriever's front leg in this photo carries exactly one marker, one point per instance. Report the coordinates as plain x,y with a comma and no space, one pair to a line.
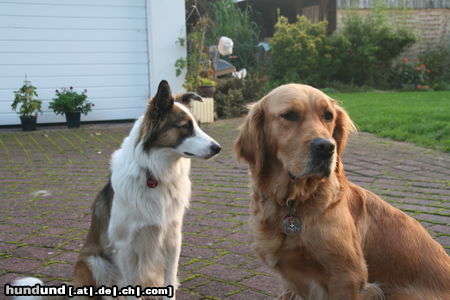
348,270
344,286
336,246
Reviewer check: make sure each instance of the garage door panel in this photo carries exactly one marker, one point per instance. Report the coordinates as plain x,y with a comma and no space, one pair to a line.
32,47
87,82
85,11
98,115
82,36
74,58
72,70
93,93
69,3
100,104
41,22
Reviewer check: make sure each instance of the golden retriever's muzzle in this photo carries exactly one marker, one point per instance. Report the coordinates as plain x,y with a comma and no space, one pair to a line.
322,151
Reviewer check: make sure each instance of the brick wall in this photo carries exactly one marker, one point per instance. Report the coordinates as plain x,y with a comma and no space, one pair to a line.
431,25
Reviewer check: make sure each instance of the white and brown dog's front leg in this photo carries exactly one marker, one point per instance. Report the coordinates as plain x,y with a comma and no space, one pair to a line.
172,246
148,245
140,260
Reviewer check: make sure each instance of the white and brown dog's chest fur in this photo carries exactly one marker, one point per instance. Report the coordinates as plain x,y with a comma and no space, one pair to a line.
145,226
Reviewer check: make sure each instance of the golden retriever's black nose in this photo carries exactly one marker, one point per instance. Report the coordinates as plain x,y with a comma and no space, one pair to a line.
323,147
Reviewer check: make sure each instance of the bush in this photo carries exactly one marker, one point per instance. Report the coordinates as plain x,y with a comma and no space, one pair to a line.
24,100
68,100
237,24
438,61
300,52
366,46
411,76
234,94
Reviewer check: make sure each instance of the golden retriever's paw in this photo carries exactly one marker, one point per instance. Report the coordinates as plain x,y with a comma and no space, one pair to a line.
289,295
372,292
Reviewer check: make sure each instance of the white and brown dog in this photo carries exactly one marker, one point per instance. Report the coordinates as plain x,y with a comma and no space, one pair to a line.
135,233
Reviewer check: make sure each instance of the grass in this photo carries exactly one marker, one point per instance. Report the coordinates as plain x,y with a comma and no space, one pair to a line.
421,118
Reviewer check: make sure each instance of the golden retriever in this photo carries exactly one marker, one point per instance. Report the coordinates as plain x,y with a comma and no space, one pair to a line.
326,237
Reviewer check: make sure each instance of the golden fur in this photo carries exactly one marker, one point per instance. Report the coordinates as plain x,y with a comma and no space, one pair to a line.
349,236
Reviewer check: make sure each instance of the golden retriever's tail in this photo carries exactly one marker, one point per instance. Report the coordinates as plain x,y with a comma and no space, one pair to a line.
372,292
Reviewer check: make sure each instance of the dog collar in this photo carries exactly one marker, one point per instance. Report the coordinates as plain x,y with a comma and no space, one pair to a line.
151,181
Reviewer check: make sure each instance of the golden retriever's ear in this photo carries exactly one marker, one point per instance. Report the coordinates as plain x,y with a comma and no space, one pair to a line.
250,145
343,127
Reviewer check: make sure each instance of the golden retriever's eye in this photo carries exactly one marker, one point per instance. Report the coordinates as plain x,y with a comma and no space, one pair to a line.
291,116
328,116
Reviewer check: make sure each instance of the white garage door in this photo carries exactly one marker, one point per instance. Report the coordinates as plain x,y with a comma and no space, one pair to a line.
98,45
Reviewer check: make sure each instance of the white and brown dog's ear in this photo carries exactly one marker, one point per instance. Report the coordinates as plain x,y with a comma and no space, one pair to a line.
159,106
187,98
163,100
250,144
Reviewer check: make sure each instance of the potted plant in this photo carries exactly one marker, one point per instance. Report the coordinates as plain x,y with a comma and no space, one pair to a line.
29,107
206,87
72,104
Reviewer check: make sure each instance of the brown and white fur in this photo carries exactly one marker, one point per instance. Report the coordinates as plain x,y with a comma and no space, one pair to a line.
293,141
135,233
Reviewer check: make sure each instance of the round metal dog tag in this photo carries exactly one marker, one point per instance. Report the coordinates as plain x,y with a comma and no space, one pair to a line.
292,225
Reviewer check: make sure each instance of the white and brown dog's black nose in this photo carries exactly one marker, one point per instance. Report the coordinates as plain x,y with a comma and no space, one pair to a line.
215,148
322,147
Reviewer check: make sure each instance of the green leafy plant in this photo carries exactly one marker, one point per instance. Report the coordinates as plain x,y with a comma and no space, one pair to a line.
412,76
300,52
205,81
67,100
234,94
438,62
237,24
197,62
24,103
366,47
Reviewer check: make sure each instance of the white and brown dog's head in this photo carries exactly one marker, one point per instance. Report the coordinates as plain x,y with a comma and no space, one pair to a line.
168,123
298,126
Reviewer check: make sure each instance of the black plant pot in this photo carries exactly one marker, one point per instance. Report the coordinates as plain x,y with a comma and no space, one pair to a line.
73,119
28,123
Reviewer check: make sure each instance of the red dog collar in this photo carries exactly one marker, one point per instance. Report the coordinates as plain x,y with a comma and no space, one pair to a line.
151,181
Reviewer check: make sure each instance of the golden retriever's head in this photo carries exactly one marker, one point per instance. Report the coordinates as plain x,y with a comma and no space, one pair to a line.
298,126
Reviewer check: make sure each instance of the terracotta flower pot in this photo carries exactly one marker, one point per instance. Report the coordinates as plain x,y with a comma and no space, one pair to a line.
28,123
206,90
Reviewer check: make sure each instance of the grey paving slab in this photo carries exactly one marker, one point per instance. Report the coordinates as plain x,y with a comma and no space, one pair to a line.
49,178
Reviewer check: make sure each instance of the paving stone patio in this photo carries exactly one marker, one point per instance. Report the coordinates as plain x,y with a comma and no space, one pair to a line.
49,178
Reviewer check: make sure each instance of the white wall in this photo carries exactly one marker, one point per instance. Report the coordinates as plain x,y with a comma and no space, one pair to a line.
100,45
166,21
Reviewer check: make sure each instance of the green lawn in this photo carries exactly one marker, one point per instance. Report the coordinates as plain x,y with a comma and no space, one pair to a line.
421,118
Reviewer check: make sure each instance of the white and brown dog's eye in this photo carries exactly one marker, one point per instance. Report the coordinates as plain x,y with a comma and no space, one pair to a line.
187,125
328,116
291,116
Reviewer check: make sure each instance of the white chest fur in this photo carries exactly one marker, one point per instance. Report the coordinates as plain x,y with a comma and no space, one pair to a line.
135,205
